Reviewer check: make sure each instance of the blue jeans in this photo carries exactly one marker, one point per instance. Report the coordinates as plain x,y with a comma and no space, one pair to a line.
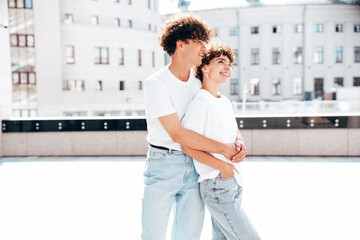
171,181
222,198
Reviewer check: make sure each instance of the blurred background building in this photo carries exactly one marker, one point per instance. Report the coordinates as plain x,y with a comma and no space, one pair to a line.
297,50
77,58
91,57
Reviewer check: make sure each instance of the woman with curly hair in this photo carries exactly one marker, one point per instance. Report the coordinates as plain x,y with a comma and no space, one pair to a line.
170,176
211,114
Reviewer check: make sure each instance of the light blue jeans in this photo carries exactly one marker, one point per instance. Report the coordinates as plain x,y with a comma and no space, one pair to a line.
222,198
171,182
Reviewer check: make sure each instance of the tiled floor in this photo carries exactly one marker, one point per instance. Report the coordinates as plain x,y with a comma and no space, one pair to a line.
100,198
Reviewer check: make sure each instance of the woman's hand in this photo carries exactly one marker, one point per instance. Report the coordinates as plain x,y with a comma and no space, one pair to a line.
227,171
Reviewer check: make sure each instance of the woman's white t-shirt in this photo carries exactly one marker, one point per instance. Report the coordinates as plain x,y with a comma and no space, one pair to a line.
214,118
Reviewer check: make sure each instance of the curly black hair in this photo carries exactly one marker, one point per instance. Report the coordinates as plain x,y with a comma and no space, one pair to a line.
214,50
183,27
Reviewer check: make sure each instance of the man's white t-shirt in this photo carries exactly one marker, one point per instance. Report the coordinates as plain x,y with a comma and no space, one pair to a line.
165,94
214,118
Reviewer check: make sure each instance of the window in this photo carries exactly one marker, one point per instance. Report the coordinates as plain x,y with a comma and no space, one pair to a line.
130,23
20,3
298,28
117,22
116,1
298,55
149,4
297,86
319,28
338,54
234,31
122,86
357,28
101,55
139,58
276,86
24,78
276,29
22,40
70,55
254,56
129,2
319,55
12,3
98,85
338,28
338,82
28,3
357,54
234,87
140,85
121,56
94,20
254,86
153,58
69,19
319,87
149,26
276,56
254,30
74,85
356,81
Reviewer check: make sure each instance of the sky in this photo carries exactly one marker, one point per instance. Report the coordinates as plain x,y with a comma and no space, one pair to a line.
170,6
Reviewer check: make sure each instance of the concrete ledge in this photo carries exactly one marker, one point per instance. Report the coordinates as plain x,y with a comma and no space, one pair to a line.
274,142
122,143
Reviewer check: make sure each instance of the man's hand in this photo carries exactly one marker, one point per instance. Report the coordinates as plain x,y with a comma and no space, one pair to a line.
227,171
240,156
230,151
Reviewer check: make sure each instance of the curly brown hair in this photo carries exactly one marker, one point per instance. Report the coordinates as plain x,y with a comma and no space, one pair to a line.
183,27
214,50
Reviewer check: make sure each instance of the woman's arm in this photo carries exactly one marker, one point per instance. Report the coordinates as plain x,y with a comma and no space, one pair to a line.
226,170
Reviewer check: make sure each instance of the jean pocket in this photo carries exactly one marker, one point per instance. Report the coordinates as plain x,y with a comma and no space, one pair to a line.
156,156
219,178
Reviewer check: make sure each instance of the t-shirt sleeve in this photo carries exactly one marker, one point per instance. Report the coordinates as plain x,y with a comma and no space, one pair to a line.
157,99
195,117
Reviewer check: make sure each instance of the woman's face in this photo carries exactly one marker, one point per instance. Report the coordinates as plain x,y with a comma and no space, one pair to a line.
219,69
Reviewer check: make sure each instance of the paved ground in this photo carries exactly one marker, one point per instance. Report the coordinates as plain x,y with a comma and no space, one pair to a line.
100,198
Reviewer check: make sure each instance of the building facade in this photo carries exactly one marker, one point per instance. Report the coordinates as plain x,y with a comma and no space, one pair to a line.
297,51
78,58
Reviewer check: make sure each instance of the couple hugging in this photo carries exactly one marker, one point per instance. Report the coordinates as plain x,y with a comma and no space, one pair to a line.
195,148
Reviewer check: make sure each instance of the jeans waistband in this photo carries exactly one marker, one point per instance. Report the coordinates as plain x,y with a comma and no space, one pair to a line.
165,149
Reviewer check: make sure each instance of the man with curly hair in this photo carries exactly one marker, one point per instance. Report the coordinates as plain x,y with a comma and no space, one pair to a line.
170,177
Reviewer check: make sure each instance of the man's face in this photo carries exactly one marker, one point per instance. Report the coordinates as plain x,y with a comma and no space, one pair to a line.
193,51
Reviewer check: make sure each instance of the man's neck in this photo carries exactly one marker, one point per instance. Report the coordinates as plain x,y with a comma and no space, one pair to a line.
179,69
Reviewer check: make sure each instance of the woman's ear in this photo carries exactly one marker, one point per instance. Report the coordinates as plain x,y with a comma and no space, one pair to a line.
204,69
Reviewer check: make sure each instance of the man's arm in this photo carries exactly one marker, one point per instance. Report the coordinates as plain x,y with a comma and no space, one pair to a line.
226,170
188,138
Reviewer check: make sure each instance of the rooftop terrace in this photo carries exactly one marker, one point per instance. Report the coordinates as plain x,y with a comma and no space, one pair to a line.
72,198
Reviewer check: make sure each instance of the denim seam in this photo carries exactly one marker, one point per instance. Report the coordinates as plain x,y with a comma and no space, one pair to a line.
225,215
